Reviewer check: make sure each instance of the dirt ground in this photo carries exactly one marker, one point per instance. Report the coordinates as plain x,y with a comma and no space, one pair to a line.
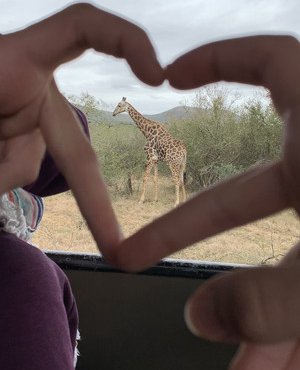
264,241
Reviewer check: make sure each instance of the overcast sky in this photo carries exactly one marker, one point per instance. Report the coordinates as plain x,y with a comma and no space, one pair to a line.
174,26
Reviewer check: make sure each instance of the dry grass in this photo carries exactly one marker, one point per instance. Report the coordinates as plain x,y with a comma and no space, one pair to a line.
264,241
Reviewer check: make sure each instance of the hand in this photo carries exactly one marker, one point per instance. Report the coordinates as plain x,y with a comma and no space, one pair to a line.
258,307
33,112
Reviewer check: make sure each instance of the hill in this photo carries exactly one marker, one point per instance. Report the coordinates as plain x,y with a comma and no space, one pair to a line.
176,113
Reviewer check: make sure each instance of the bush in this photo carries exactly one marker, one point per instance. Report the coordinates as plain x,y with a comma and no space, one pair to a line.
120,151
223,139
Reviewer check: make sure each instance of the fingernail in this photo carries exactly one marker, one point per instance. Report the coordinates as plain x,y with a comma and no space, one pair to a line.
188,320
202,319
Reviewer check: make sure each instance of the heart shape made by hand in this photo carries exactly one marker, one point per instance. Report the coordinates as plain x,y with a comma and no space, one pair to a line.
38,116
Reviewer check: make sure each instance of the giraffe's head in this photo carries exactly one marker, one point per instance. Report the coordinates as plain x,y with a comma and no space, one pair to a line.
121,107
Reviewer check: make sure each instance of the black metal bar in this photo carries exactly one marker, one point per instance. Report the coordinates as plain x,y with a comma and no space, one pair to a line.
166,267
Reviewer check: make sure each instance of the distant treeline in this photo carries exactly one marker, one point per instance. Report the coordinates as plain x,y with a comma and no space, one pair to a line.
222,139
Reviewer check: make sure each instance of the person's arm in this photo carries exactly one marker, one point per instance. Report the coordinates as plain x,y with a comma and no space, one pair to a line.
38,313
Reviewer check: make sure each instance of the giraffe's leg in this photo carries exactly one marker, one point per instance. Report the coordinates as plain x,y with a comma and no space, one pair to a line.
156,181
183,193
148,169
177,182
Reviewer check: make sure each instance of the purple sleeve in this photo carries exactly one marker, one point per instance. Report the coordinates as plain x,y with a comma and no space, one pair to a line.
38,313
50,180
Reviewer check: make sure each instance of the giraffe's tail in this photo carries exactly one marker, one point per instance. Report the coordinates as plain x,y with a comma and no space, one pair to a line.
184,175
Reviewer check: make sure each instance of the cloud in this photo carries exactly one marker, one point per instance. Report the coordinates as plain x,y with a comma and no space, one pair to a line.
174,27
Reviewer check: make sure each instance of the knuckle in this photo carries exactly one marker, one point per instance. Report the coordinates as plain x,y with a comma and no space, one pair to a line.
289,41
80,8
251,325
252,321
244,312
280,43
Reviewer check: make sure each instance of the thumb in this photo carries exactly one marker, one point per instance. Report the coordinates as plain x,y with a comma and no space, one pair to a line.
258,304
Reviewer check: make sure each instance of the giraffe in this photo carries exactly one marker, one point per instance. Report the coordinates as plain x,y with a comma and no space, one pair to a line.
160,146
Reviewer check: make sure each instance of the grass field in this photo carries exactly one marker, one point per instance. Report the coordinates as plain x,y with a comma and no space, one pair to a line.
264,241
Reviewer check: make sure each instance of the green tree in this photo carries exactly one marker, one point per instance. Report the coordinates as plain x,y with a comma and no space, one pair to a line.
224,138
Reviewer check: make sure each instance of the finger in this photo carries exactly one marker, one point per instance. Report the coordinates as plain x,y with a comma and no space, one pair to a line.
237,201
271,356
82,26
292,257
291,155
294,360
270,61
77,161
20,160
257,305
283,355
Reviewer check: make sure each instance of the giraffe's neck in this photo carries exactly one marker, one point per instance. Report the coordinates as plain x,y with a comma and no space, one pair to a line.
142,123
